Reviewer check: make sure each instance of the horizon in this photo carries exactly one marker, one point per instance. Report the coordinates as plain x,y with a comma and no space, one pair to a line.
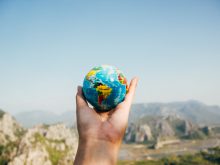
48,47
136,103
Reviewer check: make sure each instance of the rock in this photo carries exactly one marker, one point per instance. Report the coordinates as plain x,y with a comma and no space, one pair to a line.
19,160
165,129
188,127
9,129
34,156
160,144
57,132
60,132
42,144
45,142
59,147
130,133
138,133
143,133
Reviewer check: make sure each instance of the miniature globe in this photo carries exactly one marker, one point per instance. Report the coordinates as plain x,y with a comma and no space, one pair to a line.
104,87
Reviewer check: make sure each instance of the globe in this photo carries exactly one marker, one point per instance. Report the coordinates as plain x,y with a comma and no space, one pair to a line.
104,87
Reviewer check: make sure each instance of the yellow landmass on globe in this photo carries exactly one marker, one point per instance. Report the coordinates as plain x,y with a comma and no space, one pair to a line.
104,91
92,73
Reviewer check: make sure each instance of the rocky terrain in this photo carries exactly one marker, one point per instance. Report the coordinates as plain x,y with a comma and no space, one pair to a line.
43,144
9,128
157,131
159,124
154,130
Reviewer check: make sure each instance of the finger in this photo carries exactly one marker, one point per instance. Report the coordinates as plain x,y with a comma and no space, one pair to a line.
80,99
131,90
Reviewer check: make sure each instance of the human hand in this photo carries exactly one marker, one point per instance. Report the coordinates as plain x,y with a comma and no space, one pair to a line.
101,133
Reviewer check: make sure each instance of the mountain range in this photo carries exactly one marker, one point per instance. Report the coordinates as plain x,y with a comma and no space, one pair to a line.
31,118
194,111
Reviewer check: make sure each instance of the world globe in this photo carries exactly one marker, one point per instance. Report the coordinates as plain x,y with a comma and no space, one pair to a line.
104,87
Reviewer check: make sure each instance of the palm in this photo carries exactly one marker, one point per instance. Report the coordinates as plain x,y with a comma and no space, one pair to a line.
98,125
109,126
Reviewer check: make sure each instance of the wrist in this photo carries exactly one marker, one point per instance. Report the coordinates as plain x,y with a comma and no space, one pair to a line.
96,151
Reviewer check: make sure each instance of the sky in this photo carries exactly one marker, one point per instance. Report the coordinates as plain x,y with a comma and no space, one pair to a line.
48,46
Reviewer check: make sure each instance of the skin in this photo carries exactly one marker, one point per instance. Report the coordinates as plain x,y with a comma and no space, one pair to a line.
100,134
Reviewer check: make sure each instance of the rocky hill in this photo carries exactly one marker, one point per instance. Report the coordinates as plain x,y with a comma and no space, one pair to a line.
159,130
43,144
161,123
10,129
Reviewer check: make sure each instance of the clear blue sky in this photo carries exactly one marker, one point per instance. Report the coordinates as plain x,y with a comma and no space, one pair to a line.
47,46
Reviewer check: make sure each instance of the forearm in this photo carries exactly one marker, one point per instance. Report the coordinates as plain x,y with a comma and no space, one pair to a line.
96,152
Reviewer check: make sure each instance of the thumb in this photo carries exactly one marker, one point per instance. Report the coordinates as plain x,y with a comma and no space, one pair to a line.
131,90
80,99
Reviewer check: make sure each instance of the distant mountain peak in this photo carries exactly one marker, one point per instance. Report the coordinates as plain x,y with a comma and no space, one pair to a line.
192,110
30,118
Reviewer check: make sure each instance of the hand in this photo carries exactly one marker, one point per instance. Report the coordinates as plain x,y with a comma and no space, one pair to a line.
101,133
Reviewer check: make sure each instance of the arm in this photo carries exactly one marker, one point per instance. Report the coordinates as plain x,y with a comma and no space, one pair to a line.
100,134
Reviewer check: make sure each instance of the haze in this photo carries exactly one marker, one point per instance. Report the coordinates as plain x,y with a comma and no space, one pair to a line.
47,47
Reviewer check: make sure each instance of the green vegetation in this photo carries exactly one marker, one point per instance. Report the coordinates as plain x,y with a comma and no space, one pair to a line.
3,161
54,155
42,139
46,126
5,152
209,157
20,132
3,158
216,130
178,126
212,155
206,130
39,138
1,113
196,134
142,162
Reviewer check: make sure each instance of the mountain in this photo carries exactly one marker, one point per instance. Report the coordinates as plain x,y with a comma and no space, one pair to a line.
10,129
31,118
165,123
47,145
192,110
150,128
10,135
53,144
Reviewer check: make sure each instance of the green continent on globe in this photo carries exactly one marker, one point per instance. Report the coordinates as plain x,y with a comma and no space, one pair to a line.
104,87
